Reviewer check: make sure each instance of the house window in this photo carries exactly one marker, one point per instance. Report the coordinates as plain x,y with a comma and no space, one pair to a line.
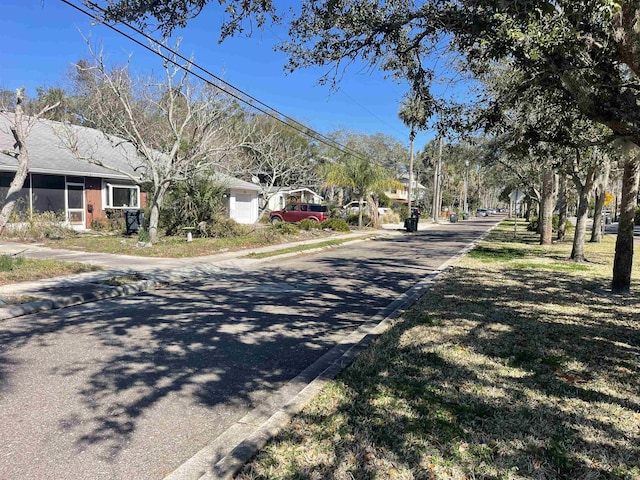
122,196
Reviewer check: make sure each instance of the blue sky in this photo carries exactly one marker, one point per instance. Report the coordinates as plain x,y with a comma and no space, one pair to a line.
41,40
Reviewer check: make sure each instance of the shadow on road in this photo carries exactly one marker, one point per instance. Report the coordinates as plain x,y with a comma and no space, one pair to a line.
210,346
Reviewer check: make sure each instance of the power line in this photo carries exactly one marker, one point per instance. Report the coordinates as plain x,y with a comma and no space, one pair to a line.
384,122
223,85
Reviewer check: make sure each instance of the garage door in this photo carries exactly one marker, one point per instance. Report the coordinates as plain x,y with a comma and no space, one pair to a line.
243,208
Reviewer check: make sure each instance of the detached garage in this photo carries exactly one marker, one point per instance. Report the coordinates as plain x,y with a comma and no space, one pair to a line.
241,199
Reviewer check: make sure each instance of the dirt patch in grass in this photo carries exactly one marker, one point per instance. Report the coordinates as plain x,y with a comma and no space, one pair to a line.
496,373
28,269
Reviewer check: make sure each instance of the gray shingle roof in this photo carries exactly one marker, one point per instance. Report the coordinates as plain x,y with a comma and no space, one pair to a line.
49,152
232,182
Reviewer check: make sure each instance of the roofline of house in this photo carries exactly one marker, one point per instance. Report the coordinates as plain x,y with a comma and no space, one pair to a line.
289,190
40,171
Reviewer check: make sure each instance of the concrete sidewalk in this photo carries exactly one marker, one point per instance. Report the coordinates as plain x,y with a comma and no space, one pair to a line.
87,287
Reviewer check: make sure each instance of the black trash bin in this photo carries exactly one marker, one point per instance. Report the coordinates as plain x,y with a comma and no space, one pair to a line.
453,218
411,224
133,219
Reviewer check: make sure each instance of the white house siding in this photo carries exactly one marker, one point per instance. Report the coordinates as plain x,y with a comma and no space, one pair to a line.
278,200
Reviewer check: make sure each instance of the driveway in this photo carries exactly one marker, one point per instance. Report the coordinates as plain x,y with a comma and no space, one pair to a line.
133,387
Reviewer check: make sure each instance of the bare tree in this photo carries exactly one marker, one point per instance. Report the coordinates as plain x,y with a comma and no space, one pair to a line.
20,129
277,158
177,127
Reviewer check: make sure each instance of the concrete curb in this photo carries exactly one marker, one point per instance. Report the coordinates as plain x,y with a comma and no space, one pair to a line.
55,303
227,454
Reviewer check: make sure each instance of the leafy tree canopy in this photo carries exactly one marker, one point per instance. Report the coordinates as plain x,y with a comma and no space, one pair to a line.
588,50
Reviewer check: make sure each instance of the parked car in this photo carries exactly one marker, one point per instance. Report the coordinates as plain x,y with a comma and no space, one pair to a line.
354,208
482,212
294,212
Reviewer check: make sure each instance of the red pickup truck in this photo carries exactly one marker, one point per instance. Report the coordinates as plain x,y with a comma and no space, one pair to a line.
294,212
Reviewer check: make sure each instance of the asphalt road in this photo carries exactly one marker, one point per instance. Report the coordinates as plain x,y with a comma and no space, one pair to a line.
133,387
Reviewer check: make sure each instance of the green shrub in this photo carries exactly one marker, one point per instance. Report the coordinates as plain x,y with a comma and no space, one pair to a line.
336,224
384,201
143,235
335,212
10,262
285,228
555,222
115,217
191,202
308,224
533,224
352,219
222,227
637,219
404,212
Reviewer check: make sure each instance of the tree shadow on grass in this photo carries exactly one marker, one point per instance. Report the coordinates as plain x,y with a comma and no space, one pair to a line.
486,377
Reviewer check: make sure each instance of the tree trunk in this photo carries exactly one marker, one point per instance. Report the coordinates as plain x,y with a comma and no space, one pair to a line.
331,193
545,220
412,136
360,209
623,260
562,207
23,167
596,229
436,186
584,191
577,252
373,210
154,216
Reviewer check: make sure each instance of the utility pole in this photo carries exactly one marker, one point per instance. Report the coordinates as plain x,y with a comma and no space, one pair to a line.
412,137
436,185
466,187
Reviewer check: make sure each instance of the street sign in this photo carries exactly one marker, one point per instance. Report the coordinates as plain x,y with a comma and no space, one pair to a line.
516,195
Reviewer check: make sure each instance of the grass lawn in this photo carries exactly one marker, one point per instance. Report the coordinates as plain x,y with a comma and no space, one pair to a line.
517,364
178,247
19,269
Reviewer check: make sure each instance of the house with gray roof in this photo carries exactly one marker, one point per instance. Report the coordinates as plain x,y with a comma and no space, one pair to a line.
83,174
62,178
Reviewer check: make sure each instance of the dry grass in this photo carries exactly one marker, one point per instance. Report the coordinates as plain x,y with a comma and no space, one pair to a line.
517,365
178,247
27,269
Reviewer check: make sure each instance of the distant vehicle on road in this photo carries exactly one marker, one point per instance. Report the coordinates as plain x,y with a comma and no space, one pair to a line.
482,212
294,212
